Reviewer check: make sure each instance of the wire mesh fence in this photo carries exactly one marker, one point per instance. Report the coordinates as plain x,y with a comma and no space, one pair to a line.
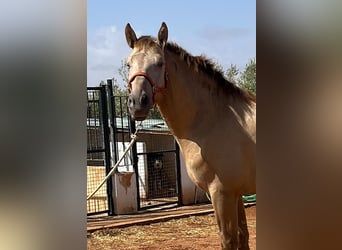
96,151
154,158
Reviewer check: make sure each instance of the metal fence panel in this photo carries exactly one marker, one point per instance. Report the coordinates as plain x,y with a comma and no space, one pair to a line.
98,151
154,157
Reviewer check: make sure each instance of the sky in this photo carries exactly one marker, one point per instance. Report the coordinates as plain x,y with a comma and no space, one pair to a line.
222,30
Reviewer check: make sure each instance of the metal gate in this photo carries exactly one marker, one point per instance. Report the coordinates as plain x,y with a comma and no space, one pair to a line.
98,150
158,165
154,157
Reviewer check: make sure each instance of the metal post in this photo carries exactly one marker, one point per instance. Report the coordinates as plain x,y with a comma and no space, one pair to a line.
106,133
112,120
135,160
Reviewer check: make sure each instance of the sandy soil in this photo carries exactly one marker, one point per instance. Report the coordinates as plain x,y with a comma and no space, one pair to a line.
191,233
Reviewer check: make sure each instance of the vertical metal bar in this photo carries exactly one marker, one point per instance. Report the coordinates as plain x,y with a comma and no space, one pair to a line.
135,160
122,131
106,135
178,174
112,119
122,122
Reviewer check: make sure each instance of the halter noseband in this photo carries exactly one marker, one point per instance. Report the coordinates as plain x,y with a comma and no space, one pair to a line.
155,88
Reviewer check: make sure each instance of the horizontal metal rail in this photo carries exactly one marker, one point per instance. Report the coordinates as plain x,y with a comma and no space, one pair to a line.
156,152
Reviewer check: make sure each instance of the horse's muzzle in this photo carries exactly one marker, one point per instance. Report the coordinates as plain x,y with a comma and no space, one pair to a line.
139,106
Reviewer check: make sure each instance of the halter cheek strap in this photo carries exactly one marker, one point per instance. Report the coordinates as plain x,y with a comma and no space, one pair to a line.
155,89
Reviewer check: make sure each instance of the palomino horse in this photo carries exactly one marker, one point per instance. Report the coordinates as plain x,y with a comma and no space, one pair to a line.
213,121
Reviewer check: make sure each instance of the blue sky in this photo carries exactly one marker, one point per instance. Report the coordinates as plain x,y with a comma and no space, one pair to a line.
222,30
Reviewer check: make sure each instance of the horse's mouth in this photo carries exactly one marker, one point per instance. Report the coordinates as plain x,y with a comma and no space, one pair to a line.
139,116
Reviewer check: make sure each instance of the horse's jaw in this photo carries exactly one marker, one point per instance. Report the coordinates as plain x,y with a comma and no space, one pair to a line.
139,115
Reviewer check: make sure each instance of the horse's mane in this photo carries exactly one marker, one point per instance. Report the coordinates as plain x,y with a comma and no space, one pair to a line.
200,64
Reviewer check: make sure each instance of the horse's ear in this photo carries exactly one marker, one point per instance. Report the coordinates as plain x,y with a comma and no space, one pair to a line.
162,35
130,36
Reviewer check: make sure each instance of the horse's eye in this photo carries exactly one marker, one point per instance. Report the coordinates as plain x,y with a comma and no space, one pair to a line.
128,65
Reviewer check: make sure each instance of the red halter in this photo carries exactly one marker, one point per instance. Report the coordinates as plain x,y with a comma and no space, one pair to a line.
155,89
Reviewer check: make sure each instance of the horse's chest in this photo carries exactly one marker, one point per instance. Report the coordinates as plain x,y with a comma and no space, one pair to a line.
198,170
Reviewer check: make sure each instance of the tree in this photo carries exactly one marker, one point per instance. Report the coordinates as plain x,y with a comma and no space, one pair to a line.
245,79
92,104
248,76
117,91
123,71
232,73
120,99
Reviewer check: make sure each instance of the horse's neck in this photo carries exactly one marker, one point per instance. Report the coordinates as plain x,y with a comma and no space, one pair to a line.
186,102
190,108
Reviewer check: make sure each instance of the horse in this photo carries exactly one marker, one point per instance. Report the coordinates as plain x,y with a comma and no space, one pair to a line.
212,120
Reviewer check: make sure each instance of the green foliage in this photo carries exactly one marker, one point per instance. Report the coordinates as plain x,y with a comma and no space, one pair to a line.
93,104
123,71
246,78
120,99
117,91
232,73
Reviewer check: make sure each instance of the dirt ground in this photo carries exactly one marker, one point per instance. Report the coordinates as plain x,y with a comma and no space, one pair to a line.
191,233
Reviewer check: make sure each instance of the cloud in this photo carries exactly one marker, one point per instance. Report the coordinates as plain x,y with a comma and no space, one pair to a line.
106,49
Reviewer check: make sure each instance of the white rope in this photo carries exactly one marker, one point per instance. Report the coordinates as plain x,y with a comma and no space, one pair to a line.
134,138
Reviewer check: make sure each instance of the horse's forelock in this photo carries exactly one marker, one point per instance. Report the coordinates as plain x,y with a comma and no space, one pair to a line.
145,42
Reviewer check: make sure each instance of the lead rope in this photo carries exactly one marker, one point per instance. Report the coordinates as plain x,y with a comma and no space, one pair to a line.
134,138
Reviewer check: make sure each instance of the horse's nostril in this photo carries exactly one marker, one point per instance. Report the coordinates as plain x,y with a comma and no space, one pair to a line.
130,101
144,100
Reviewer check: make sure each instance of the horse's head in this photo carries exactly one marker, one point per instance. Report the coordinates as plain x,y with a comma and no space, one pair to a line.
147,74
